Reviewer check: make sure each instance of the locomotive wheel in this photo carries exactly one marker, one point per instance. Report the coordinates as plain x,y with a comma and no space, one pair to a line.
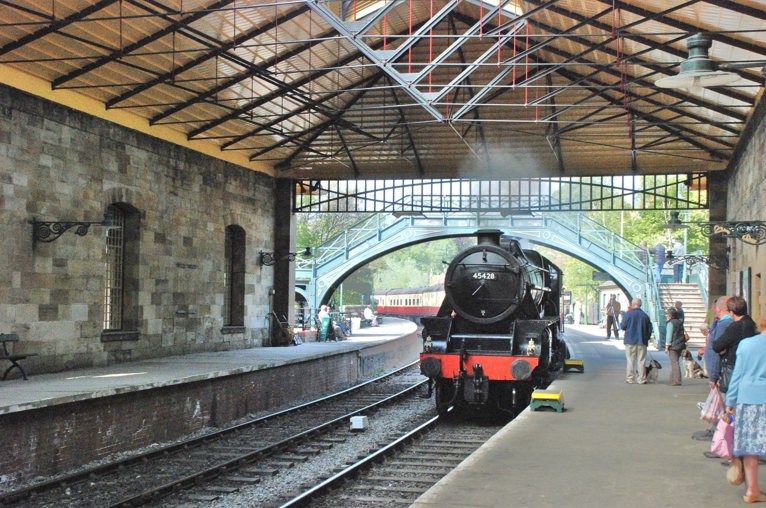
445,396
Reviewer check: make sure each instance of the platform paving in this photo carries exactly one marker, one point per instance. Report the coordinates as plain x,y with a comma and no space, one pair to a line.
82,384
615,445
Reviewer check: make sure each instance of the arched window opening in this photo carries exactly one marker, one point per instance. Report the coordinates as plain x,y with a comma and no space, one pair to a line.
121,277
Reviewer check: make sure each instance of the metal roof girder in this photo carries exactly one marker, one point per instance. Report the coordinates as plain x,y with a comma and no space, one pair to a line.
369,53
458,43
472,67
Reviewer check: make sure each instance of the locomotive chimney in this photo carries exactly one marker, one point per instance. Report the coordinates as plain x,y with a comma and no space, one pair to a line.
489,237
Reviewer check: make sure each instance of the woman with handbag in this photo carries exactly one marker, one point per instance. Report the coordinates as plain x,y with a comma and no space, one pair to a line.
726,343
746,402
676,342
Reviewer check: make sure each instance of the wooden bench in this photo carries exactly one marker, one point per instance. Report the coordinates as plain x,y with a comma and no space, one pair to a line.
5,338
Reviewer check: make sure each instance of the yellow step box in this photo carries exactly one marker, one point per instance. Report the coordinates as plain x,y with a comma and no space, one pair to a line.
553,399
570,364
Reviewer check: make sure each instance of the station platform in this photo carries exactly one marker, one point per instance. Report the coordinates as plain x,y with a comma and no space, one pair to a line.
615,444
53,423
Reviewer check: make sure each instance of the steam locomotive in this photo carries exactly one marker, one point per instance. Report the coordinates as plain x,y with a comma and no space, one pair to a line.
496,336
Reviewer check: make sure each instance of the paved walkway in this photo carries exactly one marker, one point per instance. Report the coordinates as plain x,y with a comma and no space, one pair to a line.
81,384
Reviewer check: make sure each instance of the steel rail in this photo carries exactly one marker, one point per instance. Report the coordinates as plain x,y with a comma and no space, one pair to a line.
19,494
244,459
351,470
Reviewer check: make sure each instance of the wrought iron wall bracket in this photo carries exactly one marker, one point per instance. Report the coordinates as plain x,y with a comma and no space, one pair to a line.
269,259
714,262
49,231
752,232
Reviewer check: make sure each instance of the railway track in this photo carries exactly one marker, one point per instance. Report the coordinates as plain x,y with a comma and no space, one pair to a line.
206,468
398,472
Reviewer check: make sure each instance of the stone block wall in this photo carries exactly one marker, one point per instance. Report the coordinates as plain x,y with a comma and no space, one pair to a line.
746,199
58,164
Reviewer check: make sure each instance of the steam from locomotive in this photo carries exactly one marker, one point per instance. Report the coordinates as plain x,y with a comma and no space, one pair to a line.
496,336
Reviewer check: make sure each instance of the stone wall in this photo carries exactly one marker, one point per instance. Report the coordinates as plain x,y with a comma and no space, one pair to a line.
746,202
59,164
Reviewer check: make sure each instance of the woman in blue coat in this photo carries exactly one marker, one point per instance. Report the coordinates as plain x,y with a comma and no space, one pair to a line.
746,401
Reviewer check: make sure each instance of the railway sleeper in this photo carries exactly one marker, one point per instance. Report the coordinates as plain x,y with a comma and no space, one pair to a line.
423,463
313,449
408,479
376,500
291,457
282,464
261,471
221,489
431,455
448,448
250,480
389,488
332,440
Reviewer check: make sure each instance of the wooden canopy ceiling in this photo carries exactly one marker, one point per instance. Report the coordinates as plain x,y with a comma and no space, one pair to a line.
318,89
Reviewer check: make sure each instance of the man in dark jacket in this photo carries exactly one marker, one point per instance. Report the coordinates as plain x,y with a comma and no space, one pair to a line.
726,344
638,328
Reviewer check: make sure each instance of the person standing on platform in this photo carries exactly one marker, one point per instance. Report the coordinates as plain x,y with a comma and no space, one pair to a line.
676,342
638,328
727,342
679,309
612,317
643,253
721,320
678,266
324,324
746,403
660,256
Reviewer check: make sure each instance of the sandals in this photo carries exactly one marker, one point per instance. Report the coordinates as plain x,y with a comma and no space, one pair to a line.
754,499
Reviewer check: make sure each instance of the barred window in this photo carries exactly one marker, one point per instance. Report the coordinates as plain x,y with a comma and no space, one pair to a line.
115,269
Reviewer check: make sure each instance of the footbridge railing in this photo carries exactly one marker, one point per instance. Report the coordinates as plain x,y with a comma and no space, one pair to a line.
379,234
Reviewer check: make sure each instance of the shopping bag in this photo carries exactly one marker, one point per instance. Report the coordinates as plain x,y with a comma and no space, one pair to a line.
713,407
723,440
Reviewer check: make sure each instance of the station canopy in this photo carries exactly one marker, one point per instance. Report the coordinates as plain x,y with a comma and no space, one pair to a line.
323,89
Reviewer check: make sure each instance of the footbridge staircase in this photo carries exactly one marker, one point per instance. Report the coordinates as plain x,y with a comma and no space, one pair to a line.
379,234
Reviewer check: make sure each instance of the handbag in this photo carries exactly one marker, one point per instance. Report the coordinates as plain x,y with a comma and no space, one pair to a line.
725,376
713,407
723,440
736,472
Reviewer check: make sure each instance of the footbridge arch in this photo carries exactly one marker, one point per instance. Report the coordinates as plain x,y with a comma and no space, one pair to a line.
572,233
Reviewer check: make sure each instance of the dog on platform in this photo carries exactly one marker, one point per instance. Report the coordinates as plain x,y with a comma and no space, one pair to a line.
653,371
692,369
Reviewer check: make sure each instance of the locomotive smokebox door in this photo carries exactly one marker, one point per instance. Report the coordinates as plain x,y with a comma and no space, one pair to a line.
484,282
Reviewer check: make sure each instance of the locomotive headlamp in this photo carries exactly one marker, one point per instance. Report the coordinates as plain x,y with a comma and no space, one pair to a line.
521,369
431,367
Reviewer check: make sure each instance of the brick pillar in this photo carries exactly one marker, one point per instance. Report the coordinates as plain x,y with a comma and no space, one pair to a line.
284,270
717,184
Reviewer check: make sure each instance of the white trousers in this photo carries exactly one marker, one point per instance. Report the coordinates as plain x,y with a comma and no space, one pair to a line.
635,354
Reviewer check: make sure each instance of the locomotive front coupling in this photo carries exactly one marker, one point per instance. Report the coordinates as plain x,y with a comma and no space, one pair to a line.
477,390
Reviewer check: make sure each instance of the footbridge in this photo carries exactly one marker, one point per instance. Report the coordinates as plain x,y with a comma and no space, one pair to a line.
569,232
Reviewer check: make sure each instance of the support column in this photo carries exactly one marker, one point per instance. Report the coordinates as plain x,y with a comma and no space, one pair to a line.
717,185
284,273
